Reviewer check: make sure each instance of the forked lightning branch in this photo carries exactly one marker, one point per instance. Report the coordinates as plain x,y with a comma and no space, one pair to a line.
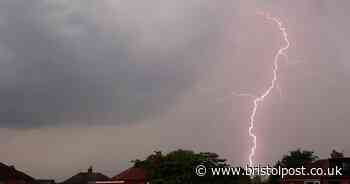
258,100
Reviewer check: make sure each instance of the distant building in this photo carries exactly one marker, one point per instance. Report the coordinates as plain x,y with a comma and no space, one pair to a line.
10,175
86,178
45,181
340,162
133,175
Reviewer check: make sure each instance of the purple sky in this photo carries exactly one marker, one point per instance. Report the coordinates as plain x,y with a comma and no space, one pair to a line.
105,82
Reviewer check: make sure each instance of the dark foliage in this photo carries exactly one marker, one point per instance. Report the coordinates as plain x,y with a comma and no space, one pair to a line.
294,159
178,167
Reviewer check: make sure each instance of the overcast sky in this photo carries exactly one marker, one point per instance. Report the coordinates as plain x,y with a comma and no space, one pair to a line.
104,82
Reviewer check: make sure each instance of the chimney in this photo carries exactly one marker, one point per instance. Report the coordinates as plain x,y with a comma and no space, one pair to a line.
90,170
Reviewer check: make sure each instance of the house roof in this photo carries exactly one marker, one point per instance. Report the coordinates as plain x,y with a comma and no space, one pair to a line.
9,172
45,181
324,164
132,174
86,177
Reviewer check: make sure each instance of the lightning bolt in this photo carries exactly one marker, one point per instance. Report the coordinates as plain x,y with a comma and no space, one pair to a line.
258,100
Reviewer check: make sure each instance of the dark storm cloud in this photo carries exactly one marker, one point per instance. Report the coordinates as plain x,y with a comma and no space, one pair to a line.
63,61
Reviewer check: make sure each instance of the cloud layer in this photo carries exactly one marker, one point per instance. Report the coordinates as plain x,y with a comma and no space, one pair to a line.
109,61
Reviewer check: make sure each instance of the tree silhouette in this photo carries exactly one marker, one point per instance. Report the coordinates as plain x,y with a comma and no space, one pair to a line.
298,158
295,159
178,167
